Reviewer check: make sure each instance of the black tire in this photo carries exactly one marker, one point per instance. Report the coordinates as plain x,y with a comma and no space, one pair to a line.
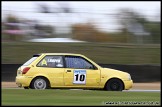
114,85
40,83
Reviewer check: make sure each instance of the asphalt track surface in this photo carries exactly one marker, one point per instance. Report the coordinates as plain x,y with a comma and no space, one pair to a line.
138,87
131,90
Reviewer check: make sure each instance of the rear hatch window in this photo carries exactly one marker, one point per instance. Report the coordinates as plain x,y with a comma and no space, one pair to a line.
31,60
21,68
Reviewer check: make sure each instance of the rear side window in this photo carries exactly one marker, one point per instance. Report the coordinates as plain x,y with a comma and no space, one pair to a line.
51,61
30,61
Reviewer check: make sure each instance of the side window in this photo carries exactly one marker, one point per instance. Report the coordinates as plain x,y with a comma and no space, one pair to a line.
77,62
51,61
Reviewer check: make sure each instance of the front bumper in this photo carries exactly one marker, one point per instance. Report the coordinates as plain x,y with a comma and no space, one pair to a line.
128,84
23,81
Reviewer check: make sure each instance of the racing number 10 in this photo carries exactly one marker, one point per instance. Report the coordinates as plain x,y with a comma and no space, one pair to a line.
79,77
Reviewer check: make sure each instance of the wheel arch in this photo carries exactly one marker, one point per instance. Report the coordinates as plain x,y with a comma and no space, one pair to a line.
40,76
115,78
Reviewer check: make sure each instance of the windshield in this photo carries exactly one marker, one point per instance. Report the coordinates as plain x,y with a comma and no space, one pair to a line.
30,61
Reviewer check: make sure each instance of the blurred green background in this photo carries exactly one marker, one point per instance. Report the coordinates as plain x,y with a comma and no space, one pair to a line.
104,53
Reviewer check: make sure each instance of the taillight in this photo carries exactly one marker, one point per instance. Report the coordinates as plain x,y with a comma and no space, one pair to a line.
25,70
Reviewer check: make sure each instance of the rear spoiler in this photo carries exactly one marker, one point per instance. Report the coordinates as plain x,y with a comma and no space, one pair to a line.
36,55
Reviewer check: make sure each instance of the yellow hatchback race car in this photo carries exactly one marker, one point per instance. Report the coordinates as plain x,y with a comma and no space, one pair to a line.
65,70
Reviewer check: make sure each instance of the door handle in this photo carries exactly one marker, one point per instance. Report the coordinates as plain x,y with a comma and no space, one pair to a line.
68,70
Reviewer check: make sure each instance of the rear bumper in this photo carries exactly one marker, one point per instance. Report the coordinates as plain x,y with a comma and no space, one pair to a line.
128,84
23,81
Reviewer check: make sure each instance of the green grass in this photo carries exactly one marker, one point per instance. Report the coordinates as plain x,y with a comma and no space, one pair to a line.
74,97
20,52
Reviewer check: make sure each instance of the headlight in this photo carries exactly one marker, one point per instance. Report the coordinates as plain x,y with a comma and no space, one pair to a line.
129,77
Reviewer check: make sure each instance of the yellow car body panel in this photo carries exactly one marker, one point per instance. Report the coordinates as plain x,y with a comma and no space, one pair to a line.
63,77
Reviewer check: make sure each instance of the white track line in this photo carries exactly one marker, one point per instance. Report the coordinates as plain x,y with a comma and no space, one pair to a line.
132,90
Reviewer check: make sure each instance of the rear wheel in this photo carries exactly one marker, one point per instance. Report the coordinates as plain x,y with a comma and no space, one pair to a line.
114,85
39,83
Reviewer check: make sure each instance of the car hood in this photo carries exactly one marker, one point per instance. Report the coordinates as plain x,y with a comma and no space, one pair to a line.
113,71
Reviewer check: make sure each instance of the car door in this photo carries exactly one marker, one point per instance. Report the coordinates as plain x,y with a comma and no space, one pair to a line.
52,67
80,72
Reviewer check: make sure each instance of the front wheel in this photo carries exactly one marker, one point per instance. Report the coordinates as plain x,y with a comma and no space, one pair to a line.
39,83
114,85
